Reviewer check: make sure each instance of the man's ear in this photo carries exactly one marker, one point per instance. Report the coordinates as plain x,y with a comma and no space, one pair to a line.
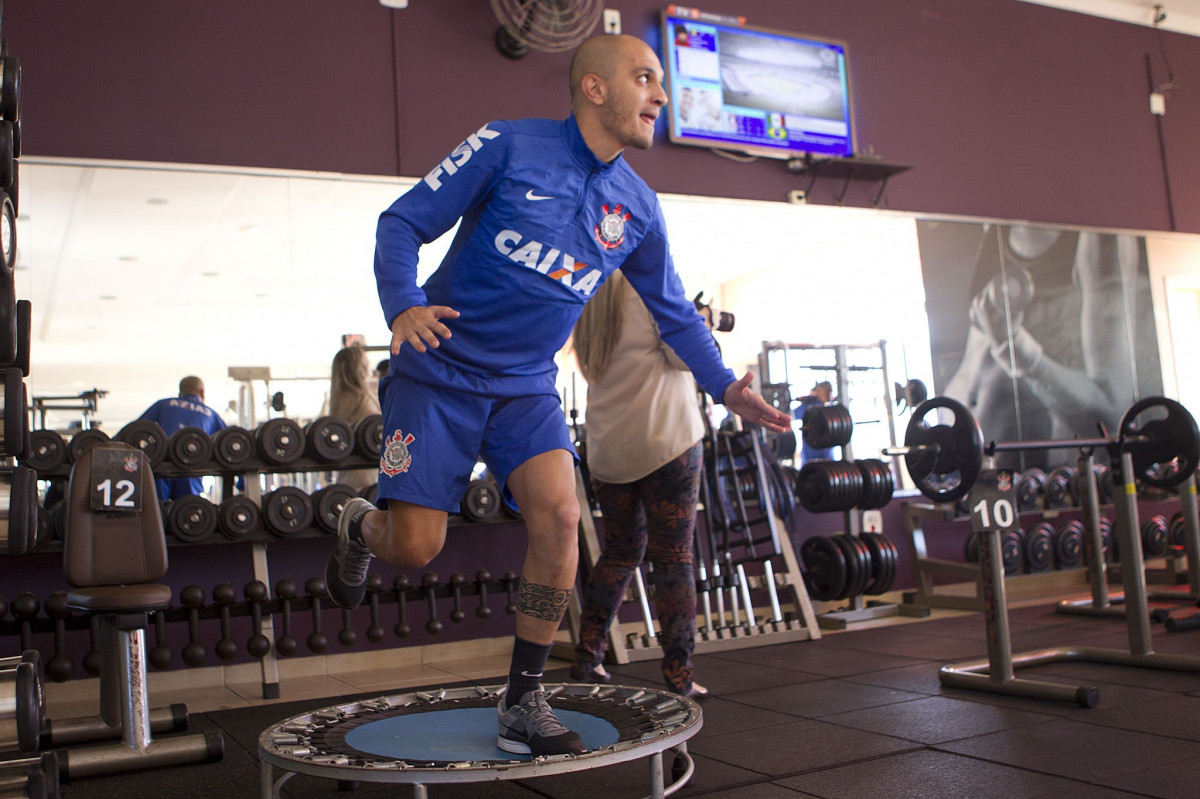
593,88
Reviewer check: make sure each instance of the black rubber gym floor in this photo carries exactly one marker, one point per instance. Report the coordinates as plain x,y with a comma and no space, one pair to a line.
855,715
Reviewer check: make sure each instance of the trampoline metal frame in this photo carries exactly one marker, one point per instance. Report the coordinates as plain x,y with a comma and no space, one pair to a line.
675,720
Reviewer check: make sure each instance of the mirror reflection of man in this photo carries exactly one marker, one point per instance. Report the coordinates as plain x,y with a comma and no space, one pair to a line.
172,415
820,394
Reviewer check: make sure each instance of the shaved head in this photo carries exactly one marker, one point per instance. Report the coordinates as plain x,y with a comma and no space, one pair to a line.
599,56
191,385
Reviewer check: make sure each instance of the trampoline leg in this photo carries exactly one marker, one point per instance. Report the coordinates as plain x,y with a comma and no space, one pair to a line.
265,778
656,776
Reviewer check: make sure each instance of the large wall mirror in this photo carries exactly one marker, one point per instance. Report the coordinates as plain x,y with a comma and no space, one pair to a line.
140,274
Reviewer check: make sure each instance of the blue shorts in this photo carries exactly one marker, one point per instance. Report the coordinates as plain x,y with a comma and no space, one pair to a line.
433,437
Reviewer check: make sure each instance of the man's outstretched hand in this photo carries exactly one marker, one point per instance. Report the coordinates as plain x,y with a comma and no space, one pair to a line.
753,408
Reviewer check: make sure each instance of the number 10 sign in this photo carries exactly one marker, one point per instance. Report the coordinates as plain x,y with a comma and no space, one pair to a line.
994,501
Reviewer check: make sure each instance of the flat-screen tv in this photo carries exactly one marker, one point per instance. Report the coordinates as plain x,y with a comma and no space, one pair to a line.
753,90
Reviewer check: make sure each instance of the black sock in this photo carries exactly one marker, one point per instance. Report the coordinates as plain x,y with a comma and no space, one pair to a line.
525,673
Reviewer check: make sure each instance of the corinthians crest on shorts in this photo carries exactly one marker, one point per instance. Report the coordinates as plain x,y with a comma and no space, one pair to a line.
395,457
611,230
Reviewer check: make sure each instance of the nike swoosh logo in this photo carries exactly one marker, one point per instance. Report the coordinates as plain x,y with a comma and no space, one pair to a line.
525,673
529,195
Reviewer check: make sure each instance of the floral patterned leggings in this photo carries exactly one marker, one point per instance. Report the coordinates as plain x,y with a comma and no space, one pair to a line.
652,518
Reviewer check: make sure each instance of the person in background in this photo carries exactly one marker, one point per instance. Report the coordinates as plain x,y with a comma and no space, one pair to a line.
645,458
548,210
352,400
172,415
820,394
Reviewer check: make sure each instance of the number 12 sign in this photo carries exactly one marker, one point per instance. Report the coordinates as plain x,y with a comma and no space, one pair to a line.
117,479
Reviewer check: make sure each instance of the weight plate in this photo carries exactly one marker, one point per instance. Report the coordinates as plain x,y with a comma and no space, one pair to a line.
891,562
1108,541
22,512
148,436
825,486
824,426
233,447
15,413
1170,446
328,439
877,483
189,448
481,502
280,441
1068,545
24,325
879,563
1154,536
368,437
237,517
47,451
1011,550
327,506
1029,488
946,458
971,547
1059,486
45,529
191,519
7,162
287,511
858,572
1039,548
824,567
1176,529
8,224
10,89
83,441
8,319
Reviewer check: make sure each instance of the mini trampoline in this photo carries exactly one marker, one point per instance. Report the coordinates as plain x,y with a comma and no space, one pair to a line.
449,735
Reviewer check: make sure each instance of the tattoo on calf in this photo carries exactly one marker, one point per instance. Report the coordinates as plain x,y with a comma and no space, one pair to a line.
542,601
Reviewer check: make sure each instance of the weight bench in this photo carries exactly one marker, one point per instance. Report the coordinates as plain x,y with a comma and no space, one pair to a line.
114,550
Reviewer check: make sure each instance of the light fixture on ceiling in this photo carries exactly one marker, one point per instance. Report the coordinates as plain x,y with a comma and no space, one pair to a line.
394,3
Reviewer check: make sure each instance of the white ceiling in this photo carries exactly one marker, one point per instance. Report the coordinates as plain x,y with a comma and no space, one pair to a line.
139,276
1182,16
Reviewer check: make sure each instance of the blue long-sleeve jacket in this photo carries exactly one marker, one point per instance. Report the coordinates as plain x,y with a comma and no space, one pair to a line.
544,222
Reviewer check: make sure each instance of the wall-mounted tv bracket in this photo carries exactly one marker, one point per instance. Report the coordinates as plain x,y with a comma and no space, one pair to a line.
848,169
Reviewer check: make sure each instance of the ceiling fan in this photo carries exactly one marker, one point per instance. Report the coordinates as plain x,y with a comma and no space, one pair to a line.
550,26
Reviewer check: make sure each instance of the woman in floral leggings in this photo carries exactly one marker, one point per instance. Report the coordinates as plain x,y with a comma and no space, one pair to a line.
645,458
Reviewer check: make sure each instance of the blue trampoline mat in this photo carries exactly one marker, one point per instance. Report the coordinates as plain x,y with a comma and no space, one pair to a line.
458,734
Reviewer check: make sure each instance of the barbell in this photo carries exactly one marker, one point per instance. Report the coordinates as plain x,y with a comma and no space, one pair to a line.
944,459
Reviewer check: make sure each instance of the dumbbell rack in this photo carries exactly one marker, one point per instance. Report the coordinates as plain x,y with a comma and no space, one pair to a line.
1101,602
930,593
996,673
250,472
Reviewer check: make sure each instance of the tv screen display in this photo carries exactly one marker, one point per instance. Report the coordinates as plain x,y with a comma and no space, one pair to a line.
754,90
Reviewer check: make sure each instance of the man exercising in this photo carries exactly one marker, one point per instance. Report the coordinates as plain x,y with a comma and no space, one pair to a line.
548,210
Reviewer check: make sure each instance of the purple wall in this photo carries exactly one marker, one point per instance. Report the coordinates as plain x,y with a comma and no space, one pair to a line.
1003,108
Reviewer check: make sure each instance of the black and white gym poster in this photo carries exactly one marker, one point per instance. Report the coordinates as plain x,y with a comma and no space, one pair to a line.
1042,333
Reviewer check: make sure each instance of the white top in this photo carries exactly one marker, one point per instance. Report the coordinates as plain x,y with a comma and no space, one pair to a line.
645,411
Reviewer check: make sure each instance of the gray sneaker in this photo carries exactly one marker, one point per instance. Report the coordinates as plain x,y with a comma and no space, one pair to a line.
531,728
346,569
